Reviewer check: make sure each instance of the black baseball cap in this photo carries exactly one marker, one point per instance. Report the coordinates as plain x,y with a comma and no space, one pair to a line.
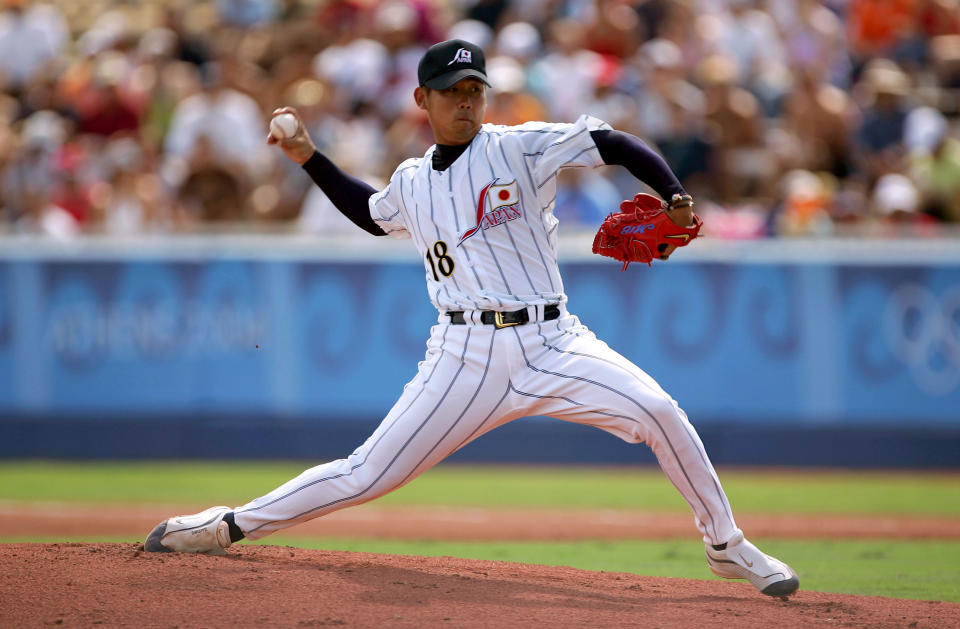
450,61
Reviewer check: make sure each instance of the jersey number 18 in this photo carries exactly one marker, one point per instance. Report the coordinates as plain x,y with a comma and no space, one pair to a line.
443,262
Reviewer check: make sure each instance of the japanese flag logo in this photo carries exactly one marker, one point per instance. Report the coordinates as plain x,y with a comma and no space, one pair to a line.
504,195
463,56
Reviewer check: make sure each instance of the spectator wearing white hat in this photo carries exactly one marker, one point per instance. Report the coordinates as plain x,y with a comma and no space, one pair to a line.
896,201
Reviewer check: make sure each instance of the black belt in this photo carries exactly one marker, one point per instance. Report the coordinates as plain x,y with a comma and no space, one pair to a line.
506,319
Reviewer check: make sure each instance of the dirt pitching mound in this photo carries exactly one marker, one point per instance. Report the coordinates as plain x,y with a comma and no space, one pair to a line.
119,584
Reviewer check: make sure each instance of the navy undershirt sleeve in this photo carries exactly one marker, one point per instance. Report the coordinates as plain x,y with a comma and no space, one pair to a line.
348,194
629,151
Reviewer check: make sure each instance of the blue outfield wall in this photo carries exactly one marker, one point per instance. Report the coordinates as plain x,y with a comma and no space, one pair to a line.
242,353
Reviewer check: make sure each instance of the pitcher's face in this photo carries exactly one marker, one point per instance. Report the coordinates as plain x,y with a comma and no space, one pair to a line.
455,113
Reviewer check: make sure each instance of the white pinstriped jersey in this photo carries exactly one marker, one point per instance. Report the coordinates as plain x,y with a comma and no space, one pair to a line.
485,226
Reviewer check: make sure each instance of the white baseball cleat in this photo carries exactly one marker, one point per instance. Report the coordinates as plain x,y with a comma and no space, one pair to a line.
203,532
742,560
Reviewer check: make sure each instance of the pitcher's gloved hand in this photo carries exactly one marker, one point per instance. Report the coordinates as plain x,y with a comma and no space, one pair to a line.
646,228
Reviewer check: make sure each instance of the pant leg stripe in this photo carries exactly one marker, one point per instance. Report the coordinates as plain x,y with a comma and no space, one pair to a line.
392,461
556,397
470,437
374,445
591,356
483,378
638,404
572,403
686,428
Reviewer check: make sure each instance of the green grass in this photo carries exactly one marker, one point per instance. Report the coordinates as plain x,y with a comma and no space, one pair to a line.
926,570
750,491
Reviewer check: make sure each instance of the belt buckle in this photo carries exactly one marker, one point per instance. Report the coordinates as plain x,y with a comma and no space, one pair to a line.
498,321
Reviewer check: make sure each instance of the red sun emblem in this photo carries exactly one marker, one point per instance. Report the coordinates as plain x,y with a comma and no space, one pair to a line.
504,195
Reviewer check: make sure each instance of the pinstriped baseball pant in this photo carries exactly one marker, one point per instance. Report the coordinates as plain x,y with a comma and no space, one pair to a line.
475,378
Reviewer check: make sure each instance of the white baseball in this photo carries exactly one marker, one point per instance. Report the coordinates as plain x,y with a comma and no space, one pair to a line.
283,126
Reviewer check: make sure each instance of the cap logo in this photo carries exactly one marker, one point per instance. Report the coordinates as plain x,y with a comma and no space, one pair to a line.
463,56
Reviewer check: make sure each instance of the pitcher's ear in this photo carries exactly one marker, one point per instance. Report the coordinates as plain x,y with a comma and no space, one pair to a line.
420,97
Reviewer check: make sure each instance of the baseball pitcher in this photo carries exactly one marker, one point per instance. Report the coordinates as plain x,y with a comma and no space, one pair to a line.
478,207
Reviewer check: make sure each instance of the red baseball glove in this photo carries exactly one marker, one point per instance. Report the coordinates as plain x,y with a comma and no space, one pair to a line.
643,230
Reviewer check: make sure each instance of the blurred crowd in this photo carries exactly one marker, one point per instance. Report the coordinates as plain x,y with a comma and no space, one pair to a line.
781,117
